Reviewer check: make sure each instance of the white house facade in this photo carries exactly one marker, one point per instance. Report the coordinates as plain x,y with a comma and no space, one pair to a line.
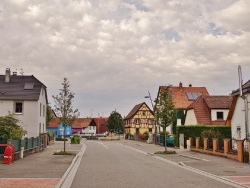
238,124
26,98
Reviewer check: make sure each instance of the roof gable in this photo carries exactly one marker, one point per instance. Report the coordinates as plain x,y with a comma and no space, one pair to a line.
136,109
181,96
204,104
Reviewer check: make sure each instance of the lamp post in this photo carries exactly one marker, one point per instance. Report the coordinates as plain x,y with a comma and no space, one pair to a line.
149,96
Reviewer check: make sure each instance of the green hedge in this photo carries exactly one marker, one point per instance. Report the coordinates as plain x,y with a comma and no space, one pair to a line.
195,131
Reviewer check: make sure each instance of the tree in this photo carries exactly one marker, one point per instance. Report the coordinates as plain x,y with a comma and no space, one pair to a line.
64,107
49,115
115,122
9,128
165,113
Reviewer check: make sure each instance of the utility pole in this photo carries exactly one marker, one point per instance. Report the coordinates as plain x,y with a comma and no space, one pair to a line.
245,102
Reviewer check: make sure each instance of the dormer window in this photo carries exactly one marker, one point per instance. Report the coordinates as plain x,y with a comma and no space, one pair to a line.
29,86
220,115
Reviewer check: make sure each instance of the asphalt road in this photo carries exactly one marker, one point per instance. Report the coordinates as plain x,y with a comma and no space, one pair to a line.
120,165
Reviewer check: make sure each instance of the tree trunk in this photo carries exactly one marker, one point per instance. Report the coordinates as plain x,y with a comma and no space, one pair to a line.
165,136
64,141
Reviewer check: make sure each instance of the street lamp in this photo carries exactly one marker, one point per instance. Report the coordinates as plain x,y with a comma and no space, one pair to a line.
149,96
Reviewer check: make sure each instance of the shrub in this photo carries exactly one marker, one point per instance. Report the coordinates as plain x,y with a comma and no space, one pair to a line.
75,139
61,139
195,131
63,153
210,134
165,152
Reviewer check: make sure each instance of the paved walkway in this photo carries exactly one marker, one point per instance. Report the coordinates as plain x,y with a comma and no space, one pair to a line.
38,170
43,169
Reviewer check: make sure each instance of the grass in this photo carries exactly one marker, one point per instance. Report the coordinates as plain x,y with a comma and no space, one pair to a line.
165,152
63,153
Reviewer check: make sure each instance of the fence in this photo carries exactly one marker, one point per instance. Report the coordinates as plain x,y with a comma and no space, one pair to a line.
27,146
238,150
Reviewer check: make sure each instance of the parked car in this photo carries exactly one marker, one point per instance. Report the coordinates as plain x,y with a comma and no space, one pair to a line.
170,140
102,134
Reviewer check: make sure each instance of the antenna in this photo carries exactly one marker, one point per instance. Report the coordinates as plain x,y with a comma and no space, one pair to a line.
240,79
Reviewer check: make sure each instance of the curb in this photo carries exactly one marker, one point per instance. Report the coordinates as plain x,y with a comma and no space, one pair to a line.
68,177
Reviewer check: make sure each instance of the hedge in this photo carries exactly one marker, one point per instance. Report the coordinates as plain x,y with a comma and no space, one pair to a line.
195,131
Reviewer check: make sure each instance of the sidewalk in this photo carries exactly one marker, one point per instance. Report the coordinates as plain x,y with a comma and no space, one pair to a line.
39,169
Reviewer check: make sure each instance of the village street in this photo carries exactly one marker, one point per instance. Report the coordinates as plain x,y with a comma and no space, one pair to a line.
132,164
122,163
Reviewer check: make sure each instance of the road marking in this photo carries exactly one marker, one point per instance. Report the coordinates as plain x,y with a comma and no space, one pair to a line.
103,144
184,166
196,158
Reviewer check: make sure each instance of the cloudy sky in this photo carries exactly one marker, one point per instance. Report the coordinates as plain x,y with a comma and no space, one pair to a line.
114,51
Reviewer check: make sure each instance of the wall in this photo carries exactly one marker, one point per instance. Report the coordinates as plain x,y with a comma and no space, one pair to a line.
190,118
238,119
214,114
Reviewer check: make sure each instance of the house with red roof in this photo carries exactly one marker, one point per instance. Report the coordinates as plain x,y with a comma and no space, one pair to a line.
139,120
182,97
101,125
208,110
239,114
57,127
80,126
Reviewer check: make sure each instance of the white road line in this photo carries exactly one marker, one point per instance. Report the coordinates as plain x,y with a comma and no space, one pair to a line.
203,173
103,144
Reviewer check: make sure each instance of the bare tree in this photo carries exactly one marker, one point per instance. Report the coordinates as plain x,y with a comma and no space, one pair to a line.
64,107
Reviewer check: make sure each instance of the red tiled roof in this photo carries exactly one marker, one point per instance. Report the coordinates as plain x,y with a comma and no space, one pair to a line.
81,123
202,108
78,123
202,112
218,102
54,123
179,94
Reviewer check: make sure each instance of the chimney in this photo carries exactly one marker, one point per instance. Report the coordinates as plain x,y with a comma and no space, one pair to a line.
190,85
7,75
180,86
14,73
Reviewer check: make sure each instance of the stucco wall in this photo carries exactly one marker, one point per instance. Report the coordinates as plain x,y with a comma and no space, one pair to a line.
30,119
238,119
190,118
214,114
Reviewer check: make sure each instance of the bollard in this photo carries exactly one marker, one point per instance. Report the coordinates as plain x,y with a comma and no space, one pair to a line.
21,153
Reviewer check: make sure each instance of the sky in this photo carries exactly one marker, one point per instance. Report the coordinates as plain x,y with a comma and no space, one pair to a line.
113,52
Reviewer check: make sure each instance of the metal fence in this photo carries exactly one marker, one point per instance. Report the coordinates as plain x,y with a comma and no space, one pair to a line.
29,145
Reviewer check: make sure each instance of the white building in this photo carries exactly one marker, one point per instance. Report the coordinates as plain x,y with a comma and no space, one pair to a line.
238,117
26,98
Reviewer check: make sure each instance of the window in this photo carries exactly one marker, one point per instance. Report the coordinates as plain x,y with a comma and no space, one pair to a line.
220,115
192,96
43,110
137,121
18,107
144,113
150,121
40,109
